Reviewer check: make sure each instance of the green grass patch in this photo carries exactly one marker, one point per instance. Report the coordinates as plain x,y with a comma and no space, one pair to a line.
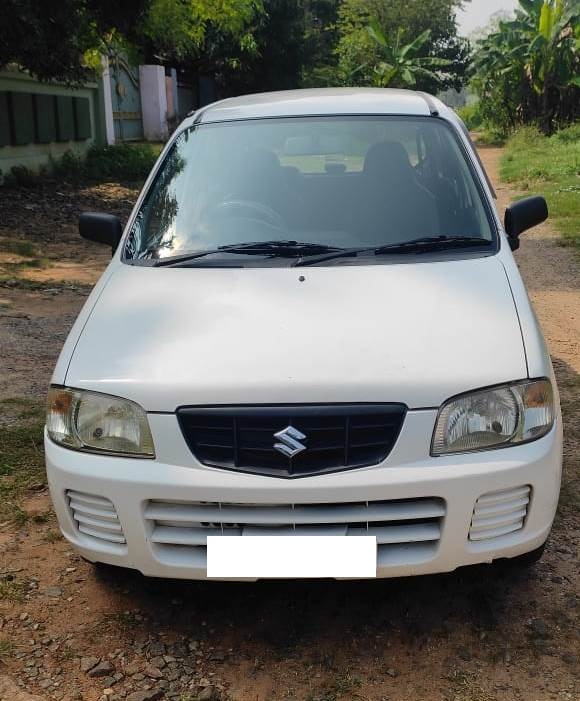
18,247
5,648
21,455
548,166
11,589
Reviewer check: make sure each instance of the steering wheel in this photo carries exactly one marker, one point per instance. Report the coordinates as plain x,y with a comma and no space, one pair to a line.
246,209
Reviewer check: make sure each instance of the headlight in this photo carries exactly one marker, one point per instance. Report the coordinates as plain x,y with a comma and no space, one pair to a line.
494,417
98,422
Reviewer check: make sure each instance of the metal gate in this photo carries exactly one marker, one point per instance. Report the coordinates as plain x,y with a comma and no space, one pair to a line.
126,100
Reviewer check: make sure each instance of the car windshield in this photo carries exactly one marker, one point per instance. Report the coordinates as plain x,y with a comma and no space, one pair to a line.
333,183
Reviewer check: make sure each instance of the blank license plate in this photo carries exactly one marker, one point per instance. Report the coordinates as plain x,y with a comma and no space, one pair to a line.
292,556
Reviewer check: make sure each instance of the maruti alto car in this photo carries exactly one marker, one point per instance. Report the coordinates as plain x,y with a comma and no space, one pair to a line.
312,325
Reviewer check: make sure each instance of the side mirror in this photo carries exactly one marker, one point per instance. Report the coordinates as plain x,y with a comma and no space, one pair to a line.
523,215
101,228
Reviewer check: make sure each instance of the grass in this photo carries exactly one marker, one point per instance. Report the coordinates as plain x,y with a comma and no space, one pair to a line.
5,649
18,247
548,166
21,455
11,589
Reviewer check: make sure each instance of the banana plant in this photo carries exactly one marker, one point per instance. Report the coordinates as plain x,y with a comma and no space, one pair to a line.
402,66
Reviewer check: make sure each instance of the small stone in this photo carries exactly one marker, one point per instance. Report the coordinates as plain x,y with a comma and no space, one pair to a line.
158,662
540,629
569,659
217,656
391,673
153,672
53,592
133,668
147,695
88,663
103,669
210,693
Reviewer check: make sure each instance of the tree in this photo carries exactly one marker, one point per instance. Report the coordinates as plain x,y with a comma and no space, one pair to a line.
408,19
177,30
528,70
50,38
401,66
320,38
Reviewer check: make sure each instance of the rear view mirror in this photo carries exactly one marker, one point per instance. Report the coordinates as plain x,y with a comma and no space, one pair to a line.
101,228
523,215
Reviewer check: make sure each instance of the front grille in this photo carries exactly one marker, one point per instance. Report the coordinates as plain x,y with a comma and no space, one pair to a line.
499,513
95,517
409,526
337,437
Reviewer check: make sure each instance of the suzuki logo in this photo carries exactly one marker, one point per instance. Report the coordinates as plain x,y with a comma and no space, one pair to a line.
289,438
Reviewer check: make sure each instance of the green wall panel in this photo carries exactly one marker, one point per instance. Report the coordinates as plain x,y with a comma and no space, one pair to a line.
23,118
82,118
45,118
66,119
5,137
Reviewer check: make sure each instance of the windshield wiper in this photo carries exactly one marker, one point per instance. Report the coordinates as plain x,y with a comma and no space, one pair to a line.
431,243
420,245
291,249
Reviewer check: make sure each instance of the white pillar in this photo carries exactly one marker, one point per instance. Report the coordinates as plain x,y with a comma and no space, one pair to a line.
153,102
107,101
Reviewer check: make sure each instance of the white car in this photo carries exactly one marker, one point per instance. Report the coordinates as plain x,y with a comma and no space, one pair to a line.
312,326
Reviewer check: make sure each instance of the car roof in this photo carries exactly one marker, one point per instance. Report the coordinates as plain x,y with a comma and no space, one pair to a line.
321,101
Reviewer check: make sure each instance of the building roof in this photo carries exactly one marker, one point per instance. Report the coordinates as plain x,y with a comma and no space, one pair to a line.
323,101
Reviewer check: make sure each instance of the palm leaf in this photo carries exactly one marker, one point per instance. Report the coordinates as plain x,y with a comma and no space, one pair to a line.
416,44
376,33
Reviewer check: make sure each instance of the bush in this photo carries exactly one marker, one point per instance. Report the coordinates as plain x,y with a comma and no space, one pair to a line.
471,115
569,135
119,162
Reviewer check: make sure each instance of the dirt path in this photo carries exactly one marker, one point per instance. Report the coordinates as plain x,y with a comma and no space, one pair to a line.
552,276
68,632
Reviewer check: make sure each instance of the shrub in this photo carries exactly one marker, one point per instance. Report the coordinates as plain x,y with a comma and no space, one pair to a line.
471,115
119,162
569,135
21,176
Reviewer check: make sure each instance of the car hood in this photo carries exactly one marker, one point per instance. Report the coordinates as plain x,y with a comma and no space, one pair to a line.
412,333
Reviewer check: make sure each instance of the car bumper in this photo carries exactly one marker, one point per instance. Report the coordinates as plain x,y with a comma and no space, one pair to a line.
456,482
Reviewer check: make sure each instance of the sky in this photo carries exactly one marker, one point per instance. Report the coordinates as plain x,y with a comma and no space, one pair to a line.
477,13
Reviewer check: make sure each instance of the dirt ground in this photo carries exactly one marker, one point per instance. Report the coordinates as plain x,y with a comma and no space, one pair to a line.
78,633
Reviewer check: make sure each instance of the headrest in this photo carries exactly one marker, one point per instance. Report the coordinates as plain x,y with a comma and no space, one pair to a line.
387,160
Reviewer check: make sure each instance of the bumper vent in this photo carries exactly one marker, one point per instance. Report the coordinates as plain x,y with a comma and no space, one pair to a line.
399,526
95,517
332,437
499,513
